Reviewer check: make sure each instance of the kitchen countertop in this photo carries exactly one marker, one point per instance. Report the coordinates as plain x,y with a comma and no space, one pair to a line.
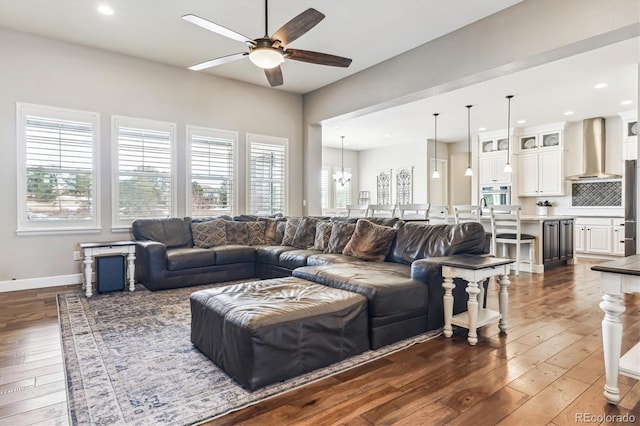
535,217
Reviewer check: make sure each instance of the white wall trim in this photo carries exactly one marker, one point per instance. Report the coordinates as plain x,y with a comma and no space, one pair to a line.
40,282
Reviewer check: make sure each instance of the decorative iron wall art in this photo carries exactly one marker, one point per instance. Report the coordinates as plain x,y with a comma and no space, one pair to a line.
383,186
404,185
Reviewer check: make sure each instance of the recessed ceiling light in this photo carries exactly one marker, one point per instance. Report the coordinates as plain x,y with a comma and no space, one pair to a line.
522,121
568,113
387,135
482,129
600,86
626,102
105,9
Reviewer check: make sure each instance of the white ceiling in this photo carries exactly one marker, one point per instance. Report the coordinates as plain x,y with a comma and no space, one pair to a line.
541,96
369,32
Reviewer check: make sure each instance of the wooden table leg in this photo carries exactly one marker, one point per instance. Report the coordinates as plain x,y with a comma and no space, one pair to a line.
88,271
503,301
131,270
448,285
472,310
612,342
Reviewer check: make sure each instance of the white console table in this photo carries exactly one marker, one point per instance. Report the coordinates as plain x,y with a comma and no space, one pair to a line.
90,250
617,277
475,269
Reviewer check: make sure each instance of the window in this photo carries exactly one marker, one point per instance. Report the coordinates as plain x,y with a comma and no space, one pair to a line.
144,170
57,173
267,174
212,159
342,193
324,188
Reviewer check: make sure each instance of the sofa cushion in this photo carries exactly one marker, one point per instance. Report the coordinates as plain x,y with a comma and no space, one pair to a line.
415,240
270,229
328,258
290,231
305,233
271,254
295,258
255,232
323,233
387,286
281,225
172,232
182,258
340,235
370,241
233,253
237,233
209,234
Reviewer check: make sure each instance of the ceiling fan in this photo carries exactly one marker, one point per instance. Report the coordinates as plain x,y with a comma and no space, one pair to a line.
269,52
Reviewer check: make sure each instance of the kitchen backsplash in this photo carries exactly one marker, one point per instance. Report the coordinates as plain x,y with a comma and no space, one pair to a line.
596,194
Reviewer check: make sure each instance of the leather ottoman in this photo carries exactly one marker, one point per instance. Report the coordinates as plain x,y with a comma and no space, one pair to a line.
268,331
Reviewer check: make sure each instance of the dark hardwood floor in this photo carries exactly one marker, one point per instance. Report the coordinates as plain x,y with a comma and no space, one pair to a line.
548,369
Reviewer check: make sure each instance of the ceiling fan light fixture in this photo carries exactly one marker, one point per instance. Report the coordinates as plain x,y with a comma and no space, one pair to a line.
266,57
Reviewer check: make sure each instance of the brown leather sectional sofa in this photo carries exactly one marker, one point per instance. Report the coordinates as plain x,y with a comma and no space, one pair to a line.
404,291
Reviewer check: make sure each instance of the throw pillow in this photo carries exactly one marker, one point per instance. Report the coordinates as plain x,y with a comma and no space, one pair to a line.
340,236
370,241
237,233
323,233
290,231
271,229
256,233
209,234
305,233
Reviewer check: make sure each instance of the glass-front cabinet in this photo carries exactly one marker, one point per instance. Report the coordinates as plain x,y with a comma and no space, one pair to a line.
541,161
493,148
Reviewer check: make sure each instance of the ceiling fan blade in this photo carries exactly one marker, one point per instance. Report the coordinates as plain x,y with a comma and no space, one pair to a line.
298,26
274,75
219,29
317,58
218,61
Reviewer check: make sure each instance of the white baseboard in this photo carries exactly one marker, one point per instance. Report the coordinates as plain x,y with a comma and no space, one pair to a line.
41,282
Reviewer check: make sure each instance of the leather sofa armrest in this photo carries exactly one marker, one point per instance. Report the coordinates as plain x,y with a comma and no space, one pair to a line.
426,270
151,264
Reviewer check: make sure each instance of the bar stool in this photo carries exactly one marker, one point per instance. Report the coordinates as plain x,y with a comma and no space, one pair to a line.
438,214
506,229
382,210
413,211
466,213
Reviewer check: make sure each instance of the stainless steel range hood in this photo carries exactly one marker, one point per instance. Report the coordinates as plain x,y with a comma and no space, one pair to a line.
593,139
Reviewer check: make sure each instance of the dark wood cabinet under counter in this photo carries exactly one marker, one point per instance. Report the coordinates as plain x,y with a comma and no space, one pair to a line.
557,242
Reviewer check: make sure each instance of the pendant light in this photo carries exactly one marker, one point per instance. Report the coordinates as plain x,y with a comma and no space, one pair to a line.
469,171
342,177
507,167
436,174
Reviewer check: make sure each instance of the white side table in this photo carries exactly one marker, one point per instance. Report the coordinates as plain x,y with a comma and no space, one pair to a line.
617,278
90,250
474,270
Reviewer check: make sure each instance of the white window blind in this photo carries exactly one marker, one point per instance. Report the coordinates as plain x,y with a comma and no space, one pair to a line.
267,175
57,182
342,193
212,171
144,183
324,188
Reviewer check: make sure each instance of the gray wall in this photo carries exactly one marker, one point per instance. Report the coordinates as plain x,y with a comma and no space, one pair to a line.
525,35
42,71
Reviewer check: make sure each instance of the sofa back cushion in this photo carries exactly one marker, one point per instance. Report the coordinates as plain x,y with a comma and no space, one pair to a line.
172,232
370,241
209,234
419,241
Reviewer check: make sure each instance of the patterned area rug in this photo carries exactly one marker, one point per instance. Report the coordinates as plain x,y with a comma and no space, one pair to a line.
129,360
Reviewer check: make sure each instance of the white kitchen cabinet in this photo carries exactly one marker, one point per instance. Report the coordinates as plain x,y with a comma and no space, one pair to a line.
492,169
541,162
541,173
618,239
629,135
578,238
599,235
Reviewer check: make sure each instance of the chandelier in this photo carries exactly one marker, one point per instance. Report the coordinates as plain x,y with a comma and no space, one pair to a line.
342,177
